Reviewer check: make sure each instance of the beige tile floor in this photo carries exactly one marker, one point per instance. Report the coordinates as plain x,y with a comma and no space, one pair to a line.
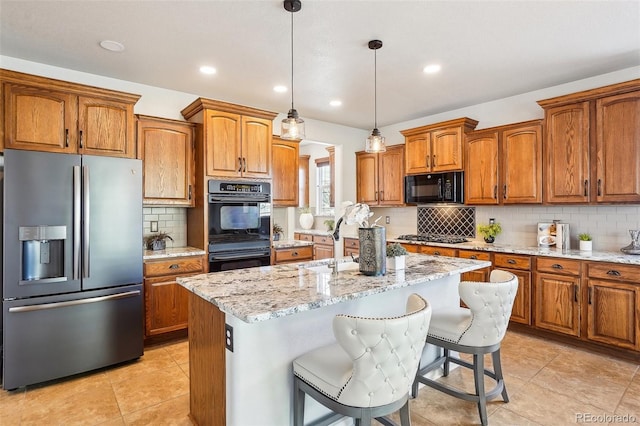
549,384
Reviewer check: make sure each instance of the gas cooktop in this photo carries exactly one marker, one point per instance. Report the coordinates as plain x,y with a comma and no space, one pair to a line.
434,238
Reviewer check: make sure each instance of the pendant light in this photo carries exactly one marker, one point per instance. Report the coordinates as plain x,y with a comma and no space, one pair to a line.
375,141
292,126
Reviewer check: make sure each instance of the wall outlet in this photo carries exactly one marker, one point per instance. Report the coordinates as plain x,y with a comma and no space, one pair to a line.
153,225
387,220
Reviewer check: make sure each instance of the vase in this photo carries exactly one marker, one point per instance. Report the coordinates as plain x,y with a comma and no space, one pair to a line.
395,263
585,245
306,220
157,245
489,239
373,251
634,247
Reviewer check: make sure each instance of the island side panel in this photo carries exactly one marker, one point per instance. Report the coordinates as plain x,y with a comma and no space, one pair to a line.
207,385
259,370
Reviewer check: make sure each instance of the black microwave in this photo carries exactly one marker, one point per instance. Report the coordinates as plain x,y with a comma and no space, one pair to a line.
434,188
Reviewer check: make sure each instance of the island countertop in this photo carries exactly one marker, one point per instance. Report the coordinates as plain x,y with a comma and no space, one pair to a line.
259,294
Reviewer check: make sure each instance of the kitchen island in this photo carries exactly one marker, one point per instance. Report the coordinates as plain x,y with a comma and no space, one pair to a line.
247,326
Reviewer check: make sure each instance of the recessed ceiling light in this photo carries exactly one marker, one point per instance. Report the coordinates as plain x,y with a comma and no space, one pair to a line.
112,46
207,70
431,69
335,103
280,89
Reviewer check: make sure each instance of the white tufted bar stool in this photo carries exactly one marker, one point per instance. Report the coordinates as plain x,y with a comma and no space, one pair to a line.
368,373
477,330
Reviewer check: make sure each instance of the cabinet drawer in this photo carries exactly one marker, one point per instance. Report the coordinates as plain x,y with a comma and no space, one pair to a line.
294,254
439,251
512,261
173,266
558,266
351,243
303,237
614,271
476,255
323,239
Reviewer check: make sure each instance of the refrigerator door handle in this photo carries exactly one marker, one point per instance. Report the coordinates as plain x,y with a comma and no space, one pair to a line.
86,198
55,305
76,222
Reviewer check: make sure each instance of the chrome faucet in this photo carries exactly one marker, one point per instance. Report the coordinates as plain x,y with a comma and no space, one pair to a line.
336,236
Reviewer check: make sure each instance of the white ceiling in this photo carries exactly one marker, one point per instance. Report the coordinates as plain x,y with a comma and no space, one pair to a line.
488,49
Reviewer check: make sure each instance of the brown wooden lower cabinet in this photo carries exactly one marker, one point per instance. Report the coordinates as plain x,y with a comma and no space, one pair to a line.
351,247
613,305
520,266
293,254
479,275
322,247
165,301
438,251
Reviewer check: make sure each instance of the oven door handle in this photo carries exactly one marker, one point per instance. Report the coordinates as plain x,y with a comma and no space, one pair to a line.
245,255
236,199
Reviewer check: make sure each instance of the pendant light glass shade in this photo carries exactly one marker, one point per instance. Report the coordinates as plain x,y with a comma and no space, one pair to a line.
292,127
375,142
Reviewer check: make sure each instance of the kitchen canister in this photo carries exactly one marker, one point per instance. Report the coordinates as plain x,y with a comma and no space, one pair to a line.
373,250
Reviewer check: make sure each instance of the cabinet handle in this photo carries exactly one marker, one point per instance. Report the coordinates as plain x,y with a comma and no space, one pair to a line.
511,261
575,292
557,266
590,291
428,162
436,253
505,191
473,256
434,160
189,191
613,272
495,192
244,164
81,140
174,266
239,164
586,187
375,197
599,187
381,195
66,138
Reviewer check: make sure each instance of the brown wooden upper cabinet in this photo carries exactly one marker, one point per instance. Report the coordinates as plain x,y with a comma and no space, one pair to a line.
436,147
380,177
503,165
285,163
592,145
236,139
42,114
166,148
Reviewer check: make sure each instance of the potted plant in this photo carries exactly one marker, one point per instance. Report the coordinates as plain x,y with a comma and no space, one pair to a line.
490,231
395,256
157,241
585,241
277,231
330,224
306,218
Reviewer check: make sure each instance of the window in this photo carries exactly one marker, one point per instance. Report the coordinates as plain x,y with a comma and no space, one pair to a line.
323,187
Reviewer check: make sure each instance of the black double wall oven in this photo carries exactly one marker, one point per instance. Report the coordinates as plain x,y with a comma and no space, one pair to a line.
239,225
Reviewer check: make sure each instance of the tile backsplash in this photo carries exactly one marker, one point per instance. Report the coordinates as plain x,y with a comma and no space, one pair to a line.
172,220
447,220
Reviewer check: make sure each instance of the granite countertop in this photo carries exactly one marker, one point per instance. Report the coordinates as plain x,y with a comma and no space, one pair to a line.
172,252
282,244
598,256
313,232
259,294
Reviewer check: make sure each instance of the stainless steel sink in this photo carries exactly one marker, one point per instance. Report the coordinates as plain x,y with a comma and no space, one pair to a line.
327,269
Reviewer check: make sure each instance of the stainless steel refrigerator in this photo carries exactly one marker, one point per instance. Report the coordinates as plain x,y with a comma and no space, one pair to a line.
71,264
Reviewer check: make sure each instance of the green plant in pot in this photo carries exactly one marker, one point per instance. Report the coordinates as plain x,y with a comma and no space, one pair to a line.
490,231
277,231
330,223
585,241
157,241
395,256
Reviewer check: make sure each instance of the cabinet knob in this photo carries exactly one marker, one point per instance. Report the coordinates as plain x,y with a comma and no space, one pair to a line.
295,253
